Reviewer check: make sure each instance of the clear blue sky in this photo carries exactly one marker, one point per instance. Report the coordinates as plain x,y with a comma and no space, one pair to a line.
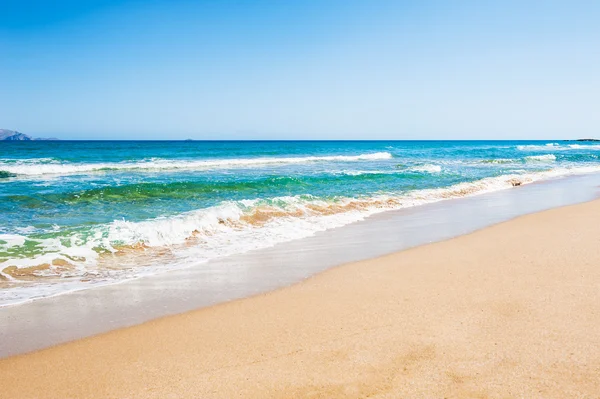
330,69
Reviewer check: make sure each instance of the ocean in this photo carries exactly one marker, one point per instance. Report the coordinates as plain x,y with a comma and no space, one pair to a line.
78,214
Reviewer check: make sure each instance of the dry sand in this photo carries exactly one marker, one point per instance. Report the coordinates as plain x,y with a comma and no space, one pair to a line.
512,311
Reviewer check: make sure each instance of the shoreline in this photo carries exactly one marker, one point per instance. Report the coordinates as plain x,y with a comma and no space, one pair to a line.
14,291
510,310
50,321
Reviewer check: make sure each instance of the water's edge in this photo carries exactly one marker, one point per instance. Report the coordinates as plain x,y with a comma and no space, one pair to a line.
54,320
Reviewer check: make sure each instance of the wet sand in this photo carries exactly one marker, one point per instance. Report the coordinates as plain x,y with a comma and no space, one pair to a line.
509,311
50,321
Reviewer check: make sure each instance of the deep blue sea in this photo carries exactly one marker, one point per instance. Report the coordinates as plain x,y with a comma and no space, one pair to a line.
75,214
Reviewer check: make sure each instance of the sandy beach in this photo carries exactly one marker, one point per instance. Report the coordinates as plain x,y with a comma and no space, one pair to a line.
506,312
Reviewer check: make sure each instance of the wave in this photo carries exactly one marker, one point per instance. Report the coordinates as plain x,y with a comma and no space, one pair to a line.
428,168
203,190
498,161
228,228
558,147
573,157
12,240
541,158
584,146
30,167
537,147
402,170
365,172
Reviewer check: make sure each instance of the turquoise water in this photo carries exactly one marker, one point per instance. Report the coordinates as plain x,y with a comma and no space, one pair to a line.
78,214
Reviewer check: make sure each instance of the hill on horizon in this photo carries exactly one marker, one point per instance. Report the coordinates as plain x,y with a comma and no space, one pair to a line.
13,135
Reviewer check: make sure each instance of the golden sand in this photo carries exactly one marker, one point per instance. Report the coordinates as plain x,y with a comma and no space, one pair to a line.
512,311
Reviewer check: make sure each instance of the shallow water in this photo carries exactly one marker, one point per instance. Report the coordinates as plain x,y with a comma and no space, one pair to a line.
76,215
48,321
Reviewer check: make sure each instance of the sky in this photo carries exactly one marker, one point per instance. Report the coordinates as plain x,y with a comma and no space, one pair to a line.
327,69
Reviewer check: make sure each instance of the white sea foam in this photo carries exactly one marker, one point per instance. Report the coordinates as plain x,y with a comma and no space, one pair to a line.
26,229
541,158
584,146
497,161
364,172
558,147
429,168
11,240
230,228
537,147
31,167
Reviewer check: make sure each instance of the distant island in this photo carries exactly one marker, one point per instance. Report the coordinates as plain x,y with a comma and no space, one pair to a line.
13,135
584,140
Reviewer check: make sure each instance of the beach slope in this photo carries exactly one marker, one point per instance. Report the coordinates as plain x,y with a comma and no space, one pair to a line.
509,311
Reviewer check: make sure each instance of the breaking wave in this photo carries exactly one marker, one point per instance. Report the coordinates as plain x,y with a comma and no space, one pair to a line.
32,167
497,161
231,227
558,147
541,158
429,168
